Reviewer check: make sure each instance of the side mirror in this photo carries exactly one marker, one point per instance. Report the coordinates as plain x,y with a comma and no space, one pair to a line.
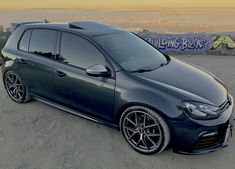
97,70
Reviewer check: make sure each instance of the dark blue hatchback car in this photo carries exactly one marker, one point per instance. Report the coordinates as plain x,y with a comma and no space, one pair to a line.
114,77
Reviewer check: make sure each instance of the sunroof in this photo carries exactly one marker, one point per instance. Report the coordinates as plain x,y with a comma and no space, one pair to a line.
88,25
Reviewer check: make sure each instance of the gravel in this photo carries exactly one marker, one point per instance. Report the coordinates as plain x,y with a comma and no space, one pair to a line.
36,136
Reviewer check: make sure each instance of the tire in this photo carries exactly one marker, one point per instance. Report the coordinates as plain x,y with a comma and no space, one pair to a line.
145,130
15,87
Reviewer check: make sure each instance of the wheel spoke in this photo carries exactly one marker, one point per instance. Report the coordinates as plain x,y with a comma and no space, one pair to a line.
9,80
18,93
131,129
14,95
130,121
145,143
154,144
10,86
11,89
19,90
18,84
138,142
15,80
153,134
12,78
14,91
152,125
130,137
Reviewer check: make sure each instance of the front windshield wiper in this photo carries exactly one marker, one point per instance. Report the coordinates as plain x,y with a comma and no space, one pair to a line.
142,70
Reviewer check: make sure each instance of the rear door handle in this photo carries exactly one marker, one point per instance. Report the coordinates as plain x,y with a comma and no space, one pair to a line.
61,74
23,61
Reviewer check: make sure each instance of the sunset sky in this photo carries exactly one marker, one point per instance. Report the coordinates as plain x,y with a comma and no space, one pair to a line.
112,4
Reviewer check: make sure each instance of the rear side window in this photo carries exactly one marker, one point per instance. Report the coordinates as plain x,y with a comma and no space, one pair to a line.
79,52
43,43
24,41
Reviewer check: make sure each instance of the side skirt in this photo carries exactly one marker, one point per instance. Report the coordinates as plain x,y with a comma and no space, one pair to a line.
73,112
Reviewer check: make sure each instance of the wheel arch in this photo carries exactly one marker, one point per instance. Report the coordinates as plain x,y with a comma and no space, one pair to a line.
124,107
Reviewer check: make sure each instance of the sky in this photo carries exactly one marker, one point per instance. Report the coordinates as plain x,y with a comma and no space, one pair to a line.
112,4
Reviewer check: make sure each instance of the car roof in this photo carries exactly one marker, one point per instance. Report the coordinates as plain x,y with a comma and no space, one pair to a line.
86,28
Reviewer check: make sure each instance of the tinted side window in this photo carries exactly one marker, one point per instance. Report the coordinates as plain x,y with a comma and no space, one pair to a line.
24,41
43,42
79,52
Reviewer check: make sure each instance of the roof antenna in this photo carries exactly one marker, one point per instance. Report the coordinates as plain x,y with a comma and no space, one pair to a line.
46,21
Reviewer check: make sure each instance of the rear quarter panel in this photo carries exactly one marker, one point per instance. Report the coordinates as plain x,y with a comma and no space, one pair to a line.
9,52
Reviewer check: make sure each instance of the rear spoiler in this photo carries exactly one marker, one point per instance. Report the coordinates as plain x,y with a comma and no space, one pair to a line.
14,26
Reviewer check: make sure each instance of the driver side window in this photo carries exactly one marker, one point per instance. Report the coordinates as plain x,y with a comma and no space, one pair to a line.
79,52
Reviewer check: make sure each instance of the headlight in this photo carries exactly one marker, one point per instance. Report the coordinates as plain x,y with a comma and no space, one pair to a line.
200,110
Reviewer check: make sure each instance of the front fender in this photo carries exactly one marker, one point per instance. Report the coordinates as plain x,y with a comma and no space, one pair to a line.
131,92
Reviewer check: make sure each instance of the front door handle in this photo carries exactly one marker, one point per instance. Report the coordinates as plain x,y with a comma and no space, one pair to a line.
61,74
23,61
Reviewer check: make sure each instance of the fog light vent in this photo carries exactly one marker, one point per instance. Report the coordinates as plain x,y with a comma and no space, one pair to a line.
208,141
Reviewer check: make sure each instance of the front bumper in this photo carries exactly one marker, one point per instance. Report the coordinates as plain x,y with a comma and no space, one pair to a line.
202,136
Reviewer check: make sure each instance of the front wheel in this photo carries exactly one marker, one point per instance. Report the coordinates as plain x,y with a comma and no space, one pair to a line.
145,130
15,87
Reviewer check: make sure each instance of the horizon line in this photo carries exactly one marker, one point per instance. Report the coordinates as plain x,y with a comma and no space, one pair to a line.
166,7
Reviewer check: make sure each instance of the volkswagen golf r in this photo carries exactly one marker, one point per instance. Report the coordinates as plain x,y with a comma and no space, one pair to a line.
114,77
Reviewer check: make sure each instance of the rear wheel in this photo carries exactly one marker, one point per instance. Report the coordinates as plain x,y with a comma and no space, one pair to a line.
15,87
145,130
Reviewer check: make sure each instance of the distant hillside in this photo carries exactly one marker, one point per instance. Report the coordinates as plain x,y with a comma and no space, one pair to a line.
162,20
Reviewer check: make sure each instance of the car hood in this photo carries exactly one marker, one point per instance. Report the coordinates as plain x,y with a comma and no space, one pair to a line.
189,80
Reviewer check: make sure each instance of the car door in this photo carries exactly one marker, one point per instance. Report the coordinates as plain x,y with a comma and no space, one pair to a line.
73,87
36,67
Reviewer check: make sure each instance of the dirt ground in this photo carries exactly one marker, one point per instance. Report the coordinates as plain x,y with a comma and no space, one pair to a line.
36,136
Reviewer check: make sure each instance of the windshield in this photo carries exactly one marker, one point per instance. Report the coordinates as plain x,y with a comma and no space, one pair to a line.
130,51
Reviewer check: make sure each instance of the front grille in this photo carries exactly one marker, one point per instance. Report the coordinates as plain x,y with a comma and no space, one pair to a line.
208,141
